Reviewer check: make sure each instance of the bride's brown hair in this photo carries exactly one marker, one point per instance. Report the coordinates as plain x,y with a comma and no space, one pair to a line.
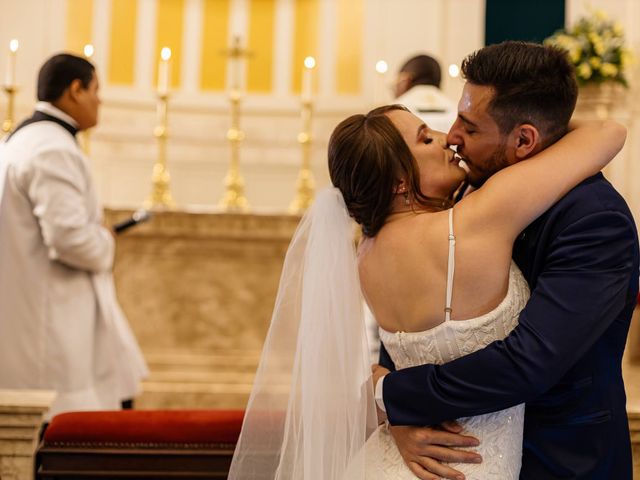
367,156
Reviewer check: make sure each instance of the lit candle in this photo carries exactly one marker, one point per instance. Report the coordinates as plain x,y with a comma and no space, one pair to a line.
379,85
88,50
163,71
307,80
10,78
381,67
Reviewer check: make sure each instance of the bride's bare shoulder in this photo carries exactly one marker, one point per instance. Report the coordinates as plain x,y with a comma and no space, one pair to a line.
410,236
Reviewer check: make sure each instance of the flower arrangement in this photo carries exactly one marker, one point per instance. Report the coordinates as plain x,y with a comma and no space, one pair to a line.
596,47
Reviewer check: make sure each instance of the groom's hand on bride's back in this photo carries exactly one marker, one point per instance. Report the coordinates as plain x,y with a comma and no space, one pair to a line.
425,448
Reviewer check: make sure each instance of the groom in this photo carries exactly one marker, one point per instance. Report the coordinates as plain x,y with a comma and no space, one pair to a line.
580,259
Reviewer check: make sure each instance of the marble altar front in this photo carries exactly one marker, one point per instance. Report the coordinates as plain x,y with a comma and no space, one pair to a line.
198,289
21,415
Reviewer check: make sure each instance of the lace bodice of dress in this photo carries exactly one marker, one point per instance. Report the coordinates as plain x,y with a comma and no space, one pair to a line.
500,433
454,339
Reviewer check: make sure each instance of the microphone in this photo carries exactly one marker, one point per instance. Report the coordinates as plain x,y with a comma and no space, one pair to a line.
139,216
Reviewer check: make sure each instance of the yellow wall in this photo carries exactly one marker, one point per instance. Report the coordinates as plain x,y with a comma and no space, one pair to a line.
349,46
215,30
215,15
122,38
79,25
260,45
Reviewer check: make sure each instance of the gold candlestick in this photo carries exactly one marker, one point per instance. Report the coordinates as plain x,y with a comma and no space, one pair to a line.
305,185
160,196
84,138
8,123
234,199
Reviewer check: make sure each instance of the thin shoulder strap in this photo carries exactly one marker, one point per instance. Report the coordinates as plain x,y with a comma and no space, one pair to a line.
451,266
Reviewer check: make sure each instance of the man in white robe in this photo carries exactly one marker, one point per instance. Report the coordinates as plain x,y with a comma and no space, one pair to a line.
61,327
417,87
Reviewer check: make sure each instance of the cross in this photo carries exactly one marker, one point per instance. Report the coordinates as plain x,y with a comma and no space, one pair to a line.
236,53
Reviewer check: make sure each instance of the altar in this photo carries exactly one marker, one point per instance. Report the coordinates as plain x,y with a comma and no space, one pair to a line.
198,289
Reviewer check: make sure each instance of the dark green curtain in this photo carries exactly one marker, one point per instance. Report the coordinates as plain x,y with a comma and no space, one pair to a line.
530,20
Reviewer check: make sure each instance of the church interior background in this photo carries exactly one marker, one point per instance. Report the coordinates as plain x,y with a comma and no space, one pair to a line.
198,282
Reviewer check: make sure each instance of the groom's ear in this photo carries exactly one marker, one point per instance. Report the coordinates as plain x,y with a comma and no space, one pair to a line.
527,141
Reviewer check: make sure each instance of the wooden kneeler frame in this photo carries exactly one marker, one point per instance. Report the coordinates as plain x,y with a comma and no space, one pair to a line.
174,444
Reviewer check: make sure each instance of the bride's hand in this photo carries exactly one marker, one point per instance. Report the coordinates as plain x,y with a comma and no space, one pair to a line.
424,448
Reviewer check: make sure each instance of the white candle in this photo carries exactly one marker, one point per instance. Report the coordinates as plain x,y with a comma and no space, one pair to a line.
307,80
10,77
164,71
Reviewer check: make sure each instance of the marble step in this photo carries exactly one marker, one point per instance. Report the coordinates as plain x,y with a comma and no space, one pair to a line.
181,379
162,396
236,360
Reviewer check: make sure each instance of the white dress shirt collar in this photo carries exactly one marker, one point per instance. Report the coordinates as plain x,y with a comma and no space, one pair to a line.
49,109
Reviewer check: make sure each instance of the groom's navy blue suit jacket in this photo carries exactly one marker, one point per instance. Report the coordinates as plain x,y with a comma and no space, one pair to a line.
563,359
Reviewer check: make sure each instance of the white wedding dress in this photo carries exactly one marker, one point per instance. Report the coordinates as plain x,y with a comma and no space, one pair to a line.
500,433
312,404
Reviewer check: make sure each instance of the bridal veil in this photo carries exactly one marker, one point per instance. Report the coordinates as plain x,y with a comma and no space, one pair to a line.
312,407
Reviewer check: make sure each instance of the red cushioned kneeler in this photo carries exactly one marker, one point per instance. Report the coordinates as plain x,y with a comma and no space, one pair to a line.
131,444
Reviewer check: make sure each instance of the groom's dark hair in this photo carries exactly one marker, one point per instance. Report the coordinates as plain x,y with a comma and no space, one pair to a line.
533,84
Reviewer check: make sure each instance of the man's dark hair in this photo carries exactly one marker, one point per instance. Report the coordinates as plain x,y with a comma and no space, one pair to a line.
424,70
58,72
533,84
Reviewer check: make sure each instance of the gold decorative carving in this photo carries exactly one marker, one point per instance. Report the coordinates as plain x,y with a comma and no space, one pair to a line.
634,428
631,374
234,199
8,124
160,196
305,185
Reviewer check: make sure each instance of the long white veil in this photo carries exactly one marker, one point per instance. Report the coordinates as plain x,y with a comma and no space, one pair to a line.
312,407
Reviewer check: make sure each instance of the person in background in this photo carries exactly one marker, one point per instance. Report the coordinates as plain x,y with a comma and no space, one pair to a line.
417,87
61,327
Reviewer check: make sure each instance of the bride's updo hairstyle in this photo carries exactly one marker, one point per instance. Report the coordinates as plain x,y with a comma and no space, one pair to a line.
367,157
